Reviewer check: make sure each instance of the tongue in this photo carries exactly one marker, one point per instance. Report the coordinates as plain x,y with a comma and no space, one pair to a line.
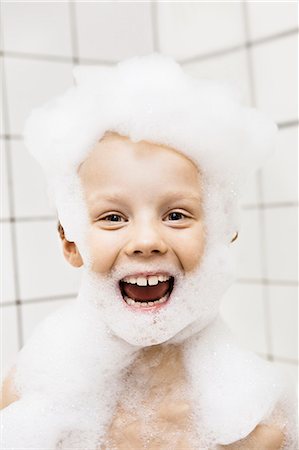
146,293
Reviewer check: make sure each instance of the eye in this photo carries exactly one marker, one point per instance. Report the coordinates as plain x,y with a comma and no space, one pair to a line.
113,218
176,215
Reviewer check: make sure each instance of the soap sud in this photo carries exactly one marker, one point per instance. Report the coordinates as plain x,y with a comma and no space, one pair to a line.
72,371
204,120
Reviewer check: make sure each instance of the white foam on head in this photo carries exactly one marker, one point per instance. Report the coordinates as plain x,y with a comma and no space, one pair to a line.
203,119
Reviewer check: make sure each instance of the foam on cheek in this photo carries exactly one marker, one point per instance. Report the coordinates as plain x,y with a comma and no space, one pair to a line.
194,299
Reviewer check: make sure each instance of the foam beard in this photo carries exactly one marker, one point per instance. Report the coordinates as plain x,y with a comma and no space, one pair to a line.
192,304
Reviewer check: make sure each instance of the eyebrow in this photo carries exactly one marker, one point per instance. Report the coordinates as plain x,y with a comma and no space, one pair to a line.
177,195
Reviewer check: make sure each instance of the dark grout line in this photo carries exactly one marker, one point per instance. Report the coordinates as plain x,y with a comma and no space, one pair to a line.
30,301
272,37
12,211
288,124
155,28
11,137
248,44
259,178
275,358
212,55
270,205
74,34
285,360
197,58
58,59
268,282
28,219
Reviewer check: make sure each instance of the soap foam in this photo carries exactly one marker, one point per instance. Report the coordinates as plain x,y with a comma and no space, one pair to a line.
72,372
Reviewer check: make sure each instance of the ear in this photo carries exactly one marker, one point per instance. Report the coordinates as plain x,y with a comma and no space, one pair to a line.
71,253
70,249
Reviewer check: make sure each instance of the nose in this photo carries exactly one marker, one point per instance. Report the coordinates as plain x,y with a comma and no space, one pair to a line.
146,240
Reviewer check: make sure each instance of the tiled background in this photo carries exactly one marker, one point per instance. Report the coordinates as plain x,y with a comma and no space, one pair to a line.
251,43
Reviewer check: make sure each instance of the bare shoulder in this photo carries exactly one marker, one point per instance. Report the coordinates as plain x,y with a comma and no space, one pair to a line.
263,437
8,392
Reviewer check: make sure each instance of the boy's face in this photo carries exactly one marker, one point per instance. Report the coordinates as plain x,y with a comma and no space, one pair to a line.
144,204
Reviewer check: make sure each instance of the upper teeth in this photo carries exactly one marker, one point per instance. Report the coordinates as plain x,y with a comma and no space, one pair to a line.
150,280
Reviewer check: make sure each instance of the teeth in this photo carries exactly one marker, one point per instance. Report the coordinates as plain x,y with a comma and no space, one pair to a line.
141,281
153,280
132,302
150,280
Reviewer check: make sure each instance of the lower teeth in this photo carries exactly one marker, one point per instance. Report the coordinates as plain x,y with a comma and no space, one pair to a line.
132,302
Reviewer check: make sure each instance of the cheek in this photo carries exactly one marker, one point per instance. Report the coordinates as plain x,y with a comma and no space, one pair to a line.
191,247
103,248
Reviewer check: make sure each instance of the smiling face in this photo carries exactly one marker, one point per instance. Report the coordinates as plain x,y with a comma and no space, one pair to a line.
144,206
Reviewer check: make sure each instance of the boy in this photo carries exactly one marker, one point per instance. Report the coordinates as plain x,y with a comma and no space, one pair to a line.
143,360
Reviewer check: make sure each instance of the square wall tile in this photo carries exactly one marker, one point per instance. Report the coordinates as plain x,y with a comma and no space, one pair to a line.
188,29
40,81
111,31
34,313
4,200
231,67
242,308
281,239
37,27
9,338
29,184
284,321
249,252
280,174
43,271
270,17
7,286
276,78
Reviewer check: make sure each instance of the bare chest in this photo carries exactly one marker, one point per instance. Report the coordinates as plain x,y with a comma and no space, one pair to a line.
154,411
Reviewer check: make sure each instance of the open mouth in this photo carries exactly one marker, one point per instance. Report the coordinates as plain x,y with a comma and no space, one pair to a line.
146,291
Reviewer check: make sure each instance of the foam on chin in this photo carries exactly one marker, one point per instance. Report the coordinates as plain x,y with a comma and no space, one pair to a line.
195,299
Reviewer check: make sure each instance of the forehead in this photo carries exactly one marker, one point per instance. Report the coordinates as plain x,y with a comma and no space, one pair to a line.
112,143
117,160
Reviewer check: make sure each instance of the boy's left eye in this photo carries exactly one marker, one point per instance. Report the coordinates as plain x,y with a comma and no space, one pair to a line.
176,215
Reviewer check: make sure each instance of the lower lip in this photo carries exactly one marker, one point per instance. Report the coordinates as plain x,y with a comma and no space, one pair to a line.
148,308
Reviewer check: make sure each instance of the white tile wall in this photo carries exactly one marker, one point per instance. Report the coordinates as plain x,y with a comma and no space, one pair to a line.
231,67
270,17
195,28
34,313
29,184
7,285
281,239
243,310
290,370
43,271
9,335
283,321
40,81
280,174
4,203
111,31
275,74
37,27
